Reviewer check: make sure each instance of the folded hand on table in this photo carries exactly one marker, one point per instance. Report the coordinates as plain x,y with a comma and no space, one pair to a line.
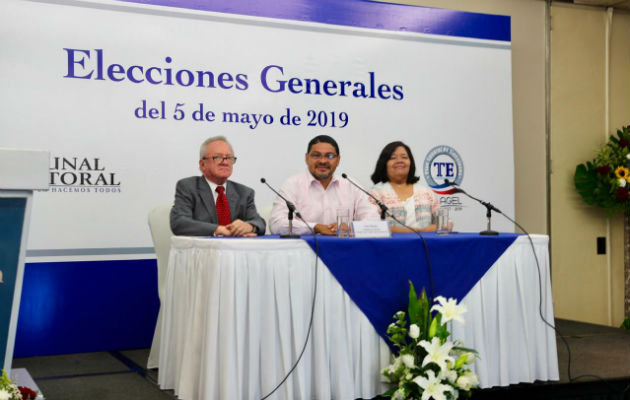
236,228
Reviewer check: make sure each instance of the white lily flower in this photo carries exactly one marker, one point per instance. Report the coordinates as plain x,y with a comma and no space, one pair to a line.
467,380
414,331
437,353
622,182
628,156
407,359
432,386
449,309
4,395
400,314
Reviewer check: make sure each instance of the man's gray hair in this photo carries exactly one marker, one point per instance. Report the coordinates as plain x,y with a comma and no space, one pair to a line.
202,149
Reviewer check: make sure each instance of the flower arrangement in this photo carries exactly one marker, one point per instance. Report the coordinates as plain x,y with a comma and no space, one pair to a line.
9,390
604,180
428,366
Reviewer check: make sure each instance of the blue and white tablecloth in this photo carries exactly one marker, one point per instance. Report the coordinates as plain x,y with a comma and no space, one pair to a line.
236,312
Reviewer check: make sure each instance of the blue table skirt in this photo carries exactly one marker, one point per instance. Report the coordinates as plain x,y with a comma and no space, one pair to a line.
375,272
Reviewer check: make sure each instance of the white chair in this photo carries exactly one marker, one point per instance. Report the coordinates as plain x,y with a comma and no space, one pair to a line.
265,213
160,226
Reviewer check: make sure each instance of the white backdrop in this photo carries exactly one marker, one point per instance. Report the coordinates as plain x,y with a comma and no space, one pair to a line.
456,92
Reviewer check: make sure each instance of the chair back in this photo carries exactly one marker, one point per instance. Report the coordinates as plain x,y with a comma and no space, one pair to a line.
265,213
160,226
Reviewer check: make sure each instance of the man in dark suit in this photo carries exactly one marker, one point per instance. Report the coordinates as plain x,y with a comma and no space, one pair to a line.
210,204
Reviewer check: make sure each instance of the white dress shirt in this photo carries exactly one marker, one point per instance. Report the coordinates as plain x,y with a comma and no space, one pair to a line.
318,205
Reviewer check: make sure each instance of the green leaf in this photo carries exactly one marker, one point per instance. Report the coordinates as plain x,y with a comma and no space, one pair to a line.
390,392
433,327
424,315
593,190
414,306
620,134
443,332
466,349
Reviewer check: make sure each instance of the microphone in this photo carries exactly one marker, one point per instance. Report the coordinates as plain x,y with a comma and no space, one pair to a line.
383,207
489,208
291,208
460,190
290,205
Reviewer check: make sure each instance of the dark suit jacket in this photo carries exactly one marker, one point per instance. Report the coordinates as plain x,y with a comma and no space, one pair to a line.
195,214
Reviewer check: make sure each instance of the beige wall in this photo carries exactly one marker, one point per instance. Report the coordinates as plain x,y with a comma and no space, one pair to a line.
586,286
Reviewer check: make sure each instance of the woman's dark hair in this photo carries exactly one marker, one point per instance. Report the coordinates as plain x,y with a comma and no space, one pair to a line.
380,171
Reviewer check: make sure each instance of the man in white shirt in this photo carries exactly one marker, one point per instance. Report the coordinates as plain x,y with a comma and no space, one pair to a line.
318,193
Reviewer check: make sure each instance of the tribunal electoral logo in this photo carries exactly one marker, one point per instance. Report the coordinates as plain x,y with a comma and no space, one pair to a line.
441,164
82,175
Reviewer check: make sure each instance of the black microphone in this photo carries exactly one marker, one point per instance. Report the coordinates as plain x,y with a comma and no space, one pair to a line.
489,208
291,208
290,205
460,190
383,207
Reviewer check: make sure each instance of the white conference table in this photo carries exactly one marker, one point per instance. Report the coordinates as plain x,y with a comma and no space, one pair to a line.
236,314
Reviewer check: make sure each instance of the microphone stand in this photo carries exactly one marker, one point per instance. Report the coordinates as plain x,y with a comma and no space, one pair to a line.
292,210
383,207
489,209
290,235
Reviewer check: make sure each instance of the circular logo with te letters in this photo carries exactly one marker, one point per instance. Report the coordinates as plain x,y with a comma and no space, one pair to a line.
443,168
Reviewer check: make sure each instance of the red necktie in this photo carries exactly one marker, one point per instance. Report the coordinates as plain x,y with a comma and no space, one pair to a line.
223,209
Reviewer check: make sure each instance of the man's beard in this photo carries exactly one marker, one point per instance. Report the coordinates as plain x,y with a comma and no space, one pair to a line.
324,175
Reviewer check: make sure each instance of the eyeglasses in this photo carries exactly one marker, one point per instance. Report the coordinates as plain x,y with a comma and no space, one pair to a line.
218,159
317,156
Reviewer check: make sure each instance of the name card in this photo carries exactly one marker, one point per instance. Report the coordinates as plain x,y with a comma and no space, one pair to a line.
371,229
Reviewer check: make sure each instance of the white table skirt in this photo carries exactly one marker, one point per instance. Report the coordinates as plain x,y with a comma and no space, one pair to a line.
236,313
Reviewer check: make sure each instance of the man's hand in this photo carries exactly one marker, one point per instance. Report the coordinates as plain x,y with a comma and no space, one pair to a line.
240,228
330,229
222,230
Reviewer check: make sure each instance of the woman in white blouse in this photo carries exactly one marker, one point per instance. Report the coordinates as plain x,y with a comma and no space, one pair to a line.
398,188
